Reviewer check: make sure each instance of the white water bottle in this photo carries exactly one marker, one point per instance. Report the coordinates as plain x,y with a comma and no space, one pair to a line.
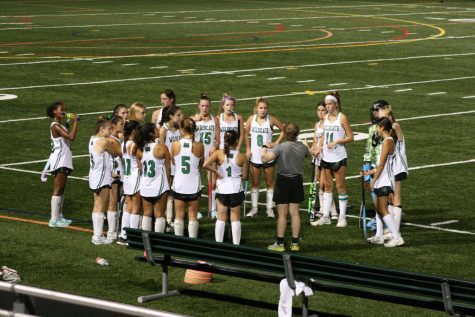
101,261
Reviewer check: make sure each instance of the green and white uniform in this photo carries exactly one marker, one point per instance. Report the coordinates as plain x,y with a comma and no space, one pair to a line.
226,126
333,131
130,171
231,172
100,168
206,134
187,173
260,134
61,155
154,180
386,179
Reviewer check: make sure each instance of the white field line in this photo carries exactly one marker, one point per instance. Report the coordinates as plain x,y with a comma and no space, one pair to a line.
402,90
306,81
226,21
437,228
468,97
38,173
38,161
443,223
436,93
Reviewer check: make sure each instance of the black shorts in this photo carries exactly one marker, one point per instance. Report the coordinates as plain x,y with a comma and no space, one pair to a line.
186,197
383,191
288,189
400,177
231,200
263,165
333,165
153,200
64,170
98,190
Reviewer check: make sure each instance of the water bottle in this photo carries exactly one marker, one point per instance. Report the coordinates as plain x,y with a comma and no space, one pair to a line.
68,116
102,261
366,168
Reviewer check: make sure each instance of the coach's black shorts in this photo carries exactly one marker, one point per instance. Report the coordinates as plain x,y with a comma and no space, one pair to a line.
288,189
231,200
97,191
383,191
64,170
400,177
333,165
186,197
263,165
153,200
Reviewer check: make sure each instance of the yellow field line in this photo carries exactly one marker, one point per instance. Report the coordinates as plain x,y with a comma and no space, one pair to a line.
44,223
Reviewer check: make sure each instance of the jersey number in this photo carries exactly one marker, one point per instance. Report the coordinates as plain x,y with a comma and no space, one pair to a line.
329,137
126,163
149,169
185,165
228,170
205,137
260,140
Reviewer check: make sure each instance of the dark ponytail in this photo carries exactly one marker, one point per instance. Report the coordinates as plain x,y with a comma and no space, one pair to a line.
129,128
146,135
230,139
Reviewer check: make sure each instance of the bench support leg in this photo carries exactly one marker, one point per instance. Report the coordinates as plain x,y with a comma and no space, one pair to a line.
447,297
304,305
165,292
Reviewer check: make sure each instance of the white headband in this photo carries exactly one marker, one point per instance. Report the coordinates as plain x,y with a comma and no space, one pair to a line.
331,98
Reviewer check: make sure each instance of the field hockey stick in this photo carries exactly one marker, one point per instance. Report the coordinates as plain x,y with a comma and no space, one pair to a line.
362,222
210,193
246,186
43,173
311,193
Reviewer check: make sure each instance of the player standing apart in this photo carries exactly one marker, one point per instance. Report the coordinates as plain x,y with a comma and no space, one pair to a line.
206,127
320,176
154,184
289,184
232,166
383,186
337,132
400,166
260,129
101,150
187,155
60,161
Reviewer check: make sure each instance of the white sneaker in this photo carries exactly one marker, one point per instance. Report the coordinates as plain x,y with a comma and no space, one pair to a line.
100,240
66,221
341,223
112,235
214,214
57,224
322,221
387,235
376,240
252,213
199,215
334,214
270,213
394,243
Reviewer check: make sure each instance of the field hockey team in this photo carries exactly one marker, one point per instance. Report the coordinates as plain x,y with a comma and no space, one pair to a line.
151,171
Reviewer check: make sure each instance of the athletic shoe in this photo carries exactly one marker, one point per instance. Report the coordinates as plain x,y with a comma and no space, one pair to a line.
294,247
341,223
276,247
320,213
121,241
394,243
334,214
252,213
214,214
322,221
112,235
100,240
57,224
387,235
376,240
66,221
199,215
270,213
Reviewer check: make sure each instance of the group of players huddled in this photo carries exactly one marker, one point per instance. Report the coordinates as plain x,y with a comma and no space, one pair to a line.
156,166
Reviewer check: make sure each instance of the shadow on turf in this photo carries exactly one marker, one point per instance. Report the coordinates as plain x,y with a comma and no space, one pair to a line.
251,302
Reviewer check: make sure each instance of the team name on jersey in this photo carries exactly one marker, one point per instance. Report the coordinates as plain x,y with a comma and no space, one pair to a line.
224,129
174,138
260,130
332,128
205,128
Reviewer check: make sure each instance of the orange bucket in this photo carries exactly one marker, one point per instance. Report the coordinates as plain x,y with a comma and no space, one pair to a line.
197,277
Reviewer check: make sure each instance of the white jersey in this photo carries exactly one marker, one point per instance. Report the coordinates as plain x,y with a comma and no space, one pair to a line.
231,183
100,166
153,182
130,171
319,134
260,134
61,155
170,137
400,159
387,176
206,134
117,161
187,178
226,126
333,131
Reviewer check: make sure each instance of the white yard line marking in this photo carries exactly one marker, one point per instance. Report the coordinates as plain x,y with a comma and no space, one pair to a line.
275,78
186,70
443,222
468,97
25,54
3,52
436,93
39,173
158,67
437,228
38,161
131,64
402,90
386,32
246,75
102,62
337,84
306,81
